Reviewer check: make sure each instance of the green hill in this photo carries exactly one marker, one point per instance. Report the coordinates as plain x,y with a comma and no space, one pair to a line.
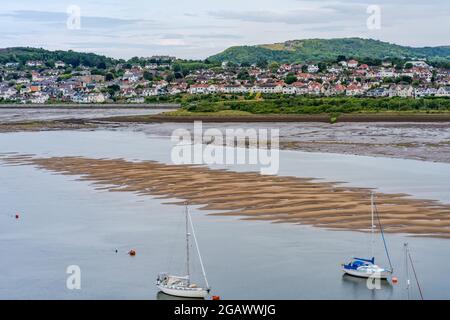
321,49
23,54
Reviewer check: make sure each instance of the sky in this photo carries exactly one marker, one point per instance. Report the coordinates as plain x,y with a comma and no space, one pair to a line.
197,29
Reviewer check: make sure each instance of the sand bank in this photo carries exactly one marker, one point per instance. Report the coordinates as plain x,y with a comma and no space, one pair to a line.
253,196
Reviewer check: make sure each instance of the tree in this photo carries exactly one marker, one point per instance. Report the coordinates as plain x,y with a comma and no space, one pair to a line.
170,77
274,66
322,66
109,76
176,67
112,89
148,75
290,78
101,65
243,75
404,79
341,58
262,63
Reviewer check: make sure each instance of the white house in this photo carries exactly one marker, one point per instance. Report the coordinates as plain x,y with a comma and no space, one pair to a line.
202,89
23,81
418,63
268,88
93,97
289,89
7,93
96,97
313,68
443,92
315,88
424,92
148,92
352,63
60,64
354,90
386,73
12,64
34,63
232,88
401,91
39,97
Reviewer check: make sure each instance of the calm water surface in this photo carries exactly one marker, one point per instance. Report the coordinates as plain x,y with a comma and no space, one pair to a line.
67,222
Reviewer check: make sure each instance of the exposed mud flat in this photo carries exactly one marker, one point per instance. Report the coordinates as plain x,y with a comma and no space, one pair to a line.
47,125
279,199
424,137
418,141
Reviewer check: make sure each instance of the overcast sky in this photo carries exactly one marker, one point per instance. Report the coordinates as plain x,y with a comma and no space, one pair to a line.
199,28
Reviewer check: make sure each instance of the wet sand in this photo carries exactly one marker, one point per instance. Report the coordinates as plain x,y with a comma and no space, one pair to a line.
257,118
253,196
46,125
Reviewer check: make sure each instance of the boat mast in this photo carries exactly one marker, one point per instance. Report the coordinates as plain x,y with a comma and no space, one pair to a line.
408,282
187,244
372,225
408,260
374,209
198,252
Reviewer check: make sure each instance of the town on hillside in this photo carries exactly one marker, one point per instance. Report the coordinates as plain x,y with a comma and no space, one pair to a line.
142,80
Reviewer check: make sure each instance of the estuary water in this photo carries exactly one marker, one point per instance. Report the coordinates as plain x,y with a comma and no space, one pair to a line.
66,222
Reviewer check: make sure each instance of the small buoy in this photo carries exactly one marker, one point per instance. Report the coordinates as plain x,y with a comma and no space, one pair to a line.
394,280
116,251
132,253
17,216
215,297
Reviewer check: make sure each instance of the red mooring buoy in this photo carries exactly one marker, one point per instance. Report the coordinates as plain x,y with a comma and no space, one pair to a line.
132,253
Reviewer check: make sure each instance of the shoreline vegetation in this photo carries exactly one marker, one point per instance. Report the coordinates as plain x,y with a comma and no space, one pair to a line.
272,108
284,108
288,104
251,196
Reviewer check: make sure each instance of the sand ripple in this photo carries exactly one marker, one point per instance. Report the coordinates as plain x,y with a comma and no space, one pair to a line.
253,196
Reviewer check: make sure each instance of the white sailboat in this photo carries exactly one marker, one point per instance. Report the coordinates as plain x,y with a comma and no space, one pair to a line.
181,286
366,268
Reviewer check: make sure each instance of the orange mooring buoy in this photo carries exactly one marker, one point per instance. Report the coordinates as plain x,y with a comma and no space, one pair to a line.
394,280
132,253
215,297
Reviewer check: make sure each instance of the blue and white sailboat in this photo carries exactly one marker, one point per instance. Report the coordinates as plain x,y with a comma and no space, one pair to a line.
366,267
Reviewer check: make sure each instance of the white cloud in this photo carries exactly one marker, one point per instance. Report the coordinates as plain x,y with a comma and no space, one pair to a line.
199,28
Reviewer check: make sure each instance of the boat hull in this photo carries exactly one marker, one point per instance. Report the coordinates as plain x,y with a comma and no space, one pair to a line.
355,273
196,293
